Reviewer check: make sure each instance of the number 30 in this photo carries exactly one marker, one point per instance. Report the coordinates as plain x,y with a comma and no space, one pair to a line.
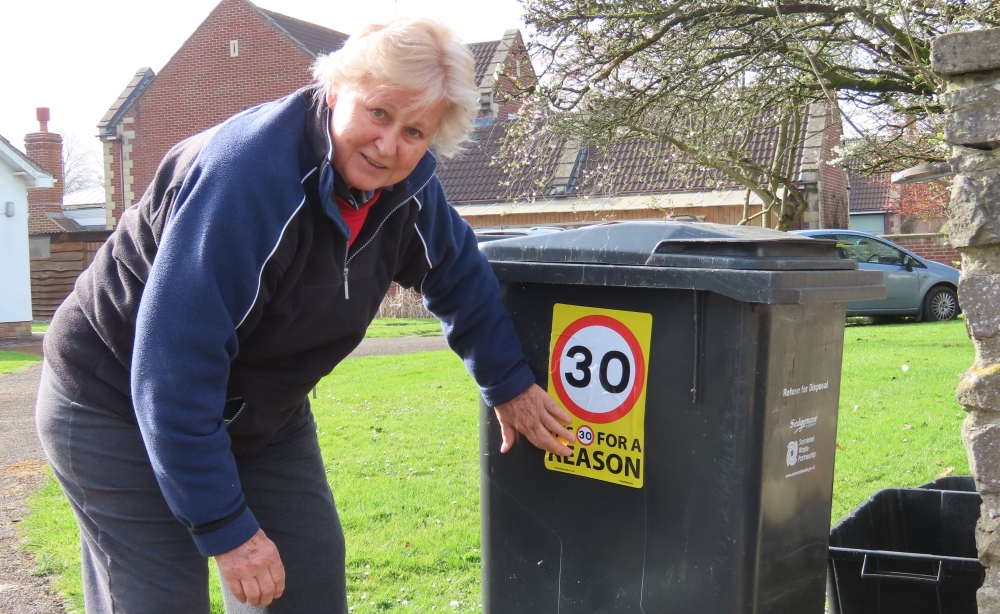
583,366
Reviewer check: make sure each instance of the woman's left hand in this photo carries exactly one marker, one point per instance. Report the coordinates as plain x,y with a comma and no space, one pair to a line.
534,414
254,571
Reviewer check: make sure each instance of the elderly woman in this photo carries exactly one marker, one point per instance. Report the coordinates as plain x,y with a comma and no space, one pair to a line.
173,403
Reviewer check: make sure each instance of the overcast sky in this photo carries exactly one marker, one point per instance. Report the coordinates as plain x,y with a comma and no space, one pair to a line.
76,56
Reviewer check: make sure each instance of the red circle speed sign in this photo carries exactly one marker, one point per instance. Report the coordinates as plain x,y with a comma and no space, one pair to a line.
598,369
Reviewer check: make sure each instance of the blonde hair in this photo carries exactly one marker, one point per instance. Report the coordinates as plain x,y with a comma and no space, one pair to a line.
421,55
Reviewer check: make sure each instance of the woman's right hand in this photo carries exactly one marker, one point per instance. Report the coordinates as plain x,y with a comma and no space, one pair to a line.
254,571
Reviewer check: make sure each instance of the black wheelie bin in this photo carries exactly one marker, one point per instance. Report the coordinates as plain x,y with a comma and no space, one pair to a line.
908,550
701,364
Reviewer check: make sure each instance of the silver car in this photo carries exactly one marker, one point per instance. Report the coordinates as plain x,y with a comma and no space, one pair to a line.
915,286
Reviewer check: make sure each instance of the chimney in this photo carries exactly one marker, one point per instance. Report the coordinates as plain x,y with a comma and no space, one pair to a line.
45,148
42,115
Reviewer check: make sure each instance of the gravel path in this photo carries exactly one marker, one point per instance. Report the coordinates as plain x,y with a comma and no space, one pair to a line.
399,345
22,462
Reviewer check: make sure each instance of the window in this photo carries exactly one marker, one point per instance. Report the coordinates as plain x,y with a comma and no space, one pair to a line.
873,223
866,249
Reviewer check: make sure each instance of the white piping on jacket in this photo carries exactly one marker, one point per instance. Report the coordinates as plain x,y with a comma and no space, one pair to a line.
260,276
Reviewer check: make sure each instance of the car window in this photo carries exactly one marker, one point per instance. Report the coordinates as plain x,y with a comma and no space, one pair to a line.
840,246
867,249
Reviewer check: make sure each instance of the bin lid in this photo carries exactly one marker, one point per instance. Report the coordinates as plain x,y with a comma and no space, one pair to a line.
747,263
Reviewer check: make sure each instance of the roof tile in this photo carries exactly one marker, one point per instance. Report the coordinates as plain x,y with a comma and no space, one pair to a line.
645,166
628,167
475,176
314,38
132,91
874,193
482,55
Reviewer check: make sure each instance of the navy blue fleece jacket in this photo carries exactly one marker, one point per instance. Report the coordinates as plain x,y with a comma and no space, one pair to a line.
229,290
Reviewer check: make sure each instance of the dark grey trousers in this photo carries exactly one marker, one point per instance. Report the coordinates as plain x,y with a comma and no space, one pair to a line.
137,558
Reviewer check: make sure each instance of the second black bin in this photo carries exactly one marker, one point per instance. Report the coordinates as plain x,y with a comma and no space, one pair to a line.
702,366
909,550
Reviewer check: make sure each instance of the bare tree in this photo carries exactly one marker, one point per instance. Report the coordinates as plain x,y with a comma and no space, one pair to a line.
82,165
704,75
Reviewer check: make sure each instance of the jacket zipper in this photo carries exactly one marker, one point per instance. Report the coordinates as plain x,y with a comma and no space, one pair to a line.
237,414
347,253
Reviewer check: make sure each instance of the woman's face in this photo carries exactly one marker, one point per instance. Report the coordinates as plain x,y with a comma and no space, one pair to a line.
377,138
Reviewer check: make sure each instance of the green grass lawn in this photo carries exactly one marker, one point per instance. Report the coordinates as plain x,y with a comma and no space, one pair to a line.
402,451
404,327
400,439
899,421
15,361
52,535
399,435
381,327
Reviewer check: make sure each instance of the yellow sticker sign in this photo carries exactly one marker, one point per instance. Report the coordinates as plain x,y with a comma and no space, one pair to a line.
597,372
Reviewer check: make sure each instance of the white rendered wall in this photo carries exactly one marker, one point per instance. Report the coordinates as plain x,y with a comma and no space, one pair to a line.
15,270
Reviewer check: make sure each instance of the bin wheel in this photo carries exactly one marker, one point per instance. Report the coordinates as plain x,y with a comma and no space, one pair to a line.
940,304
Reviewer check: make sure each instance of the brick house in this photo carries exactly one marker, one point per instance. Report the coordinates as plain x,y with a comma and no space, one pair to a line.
238,57
877,203
874,208
241,55
914,208
502,67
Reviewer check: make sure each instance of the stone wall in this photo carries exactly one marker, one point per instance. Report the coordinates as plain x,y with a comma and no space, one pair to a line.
971,63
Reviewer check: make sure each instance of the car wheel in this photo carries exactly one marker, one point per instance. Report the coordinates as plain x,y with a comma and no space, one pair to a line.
940,304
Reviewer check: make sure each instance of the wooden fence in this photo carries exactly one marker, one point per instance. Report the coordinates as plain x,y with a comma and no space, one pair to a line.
53,277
